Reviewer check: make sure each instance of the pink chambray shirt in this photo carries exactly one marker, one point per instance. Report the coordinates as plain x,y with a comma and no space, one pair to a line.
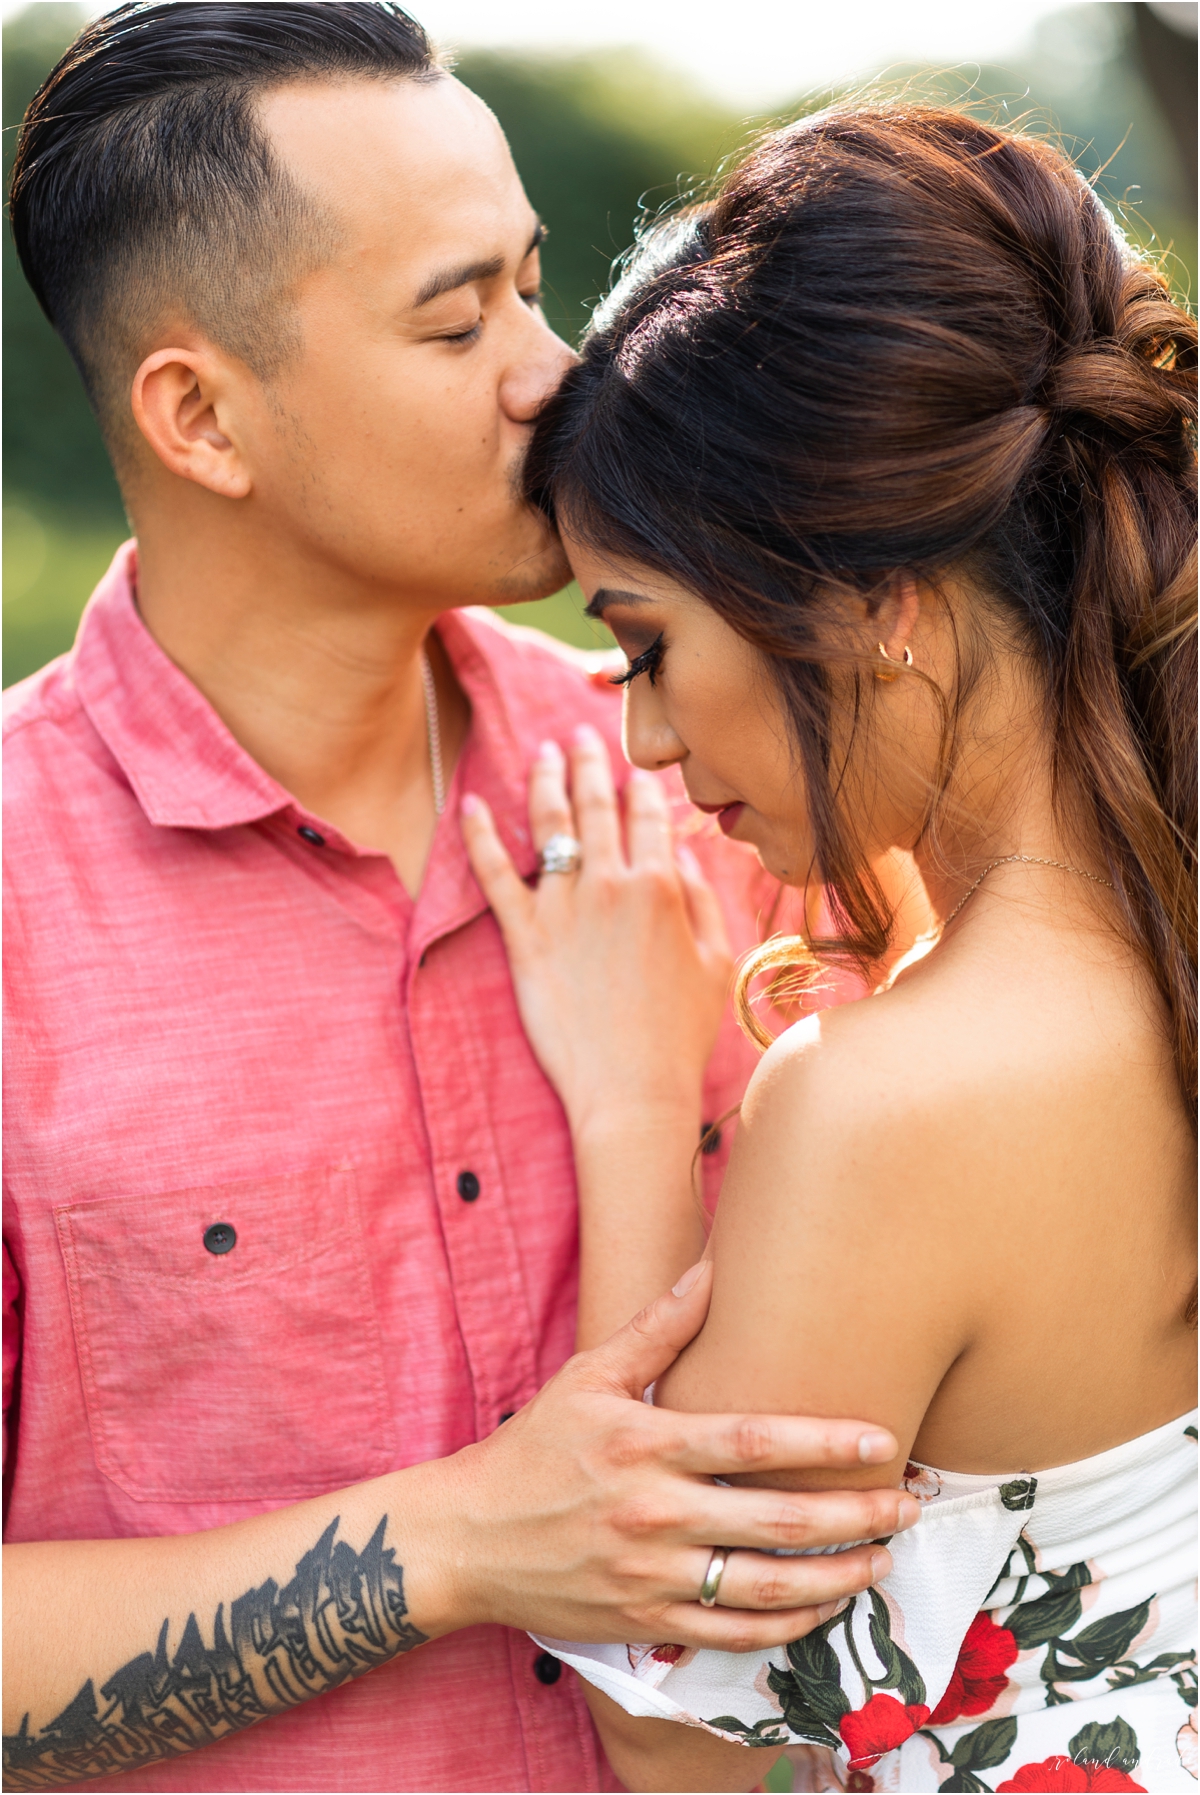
212,1019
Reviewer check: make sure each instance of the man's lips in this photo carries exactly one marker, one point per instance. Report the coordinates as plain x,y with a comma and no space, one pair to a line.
726,814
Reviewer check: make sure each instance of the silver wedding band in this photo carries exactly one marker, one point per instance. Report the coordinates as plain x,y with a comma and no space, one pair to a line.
561,854
713,1575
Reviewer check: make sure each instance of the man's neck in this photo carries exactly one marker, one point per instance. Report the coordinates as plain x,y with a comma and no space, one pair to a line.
318,679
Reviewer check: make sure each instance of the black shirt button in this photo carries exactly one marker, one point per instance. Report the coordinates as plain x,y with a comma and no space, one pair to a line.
709,1142
547,1668
468,1190
317,840
220,1238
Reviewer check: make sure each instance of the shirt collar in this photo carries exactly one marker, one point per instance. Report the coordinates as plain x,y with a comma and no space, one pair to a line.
185,768
188,772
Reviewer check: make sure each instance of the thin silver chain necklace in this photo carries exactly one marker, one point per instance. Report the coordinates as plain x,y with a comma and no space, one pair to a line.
434,732
1029,860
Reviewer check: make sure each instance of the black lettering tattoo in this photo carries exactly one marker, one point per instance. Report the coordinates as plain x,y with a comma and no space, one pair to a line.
342,1614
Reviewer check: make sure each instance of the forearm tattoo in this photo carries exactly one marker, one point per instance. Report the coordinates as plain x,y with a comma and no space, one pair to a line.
341,1615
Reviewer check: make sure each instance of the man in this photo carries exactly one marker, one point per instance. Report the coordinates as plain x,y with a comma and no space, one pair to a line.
289,1225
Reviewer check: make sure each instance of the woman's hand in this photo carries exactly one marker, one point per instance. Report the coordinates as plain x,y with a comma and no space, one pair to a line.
621,969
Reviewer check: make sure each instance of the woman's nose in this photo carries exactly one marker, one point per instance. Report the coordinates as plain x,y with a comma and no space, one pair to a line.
647,737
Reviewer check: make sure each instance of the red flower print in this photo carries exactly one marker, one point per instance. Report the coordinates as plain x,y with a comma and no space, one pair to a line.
978,1679
667,1654
861,1781
1063,1774
880,1726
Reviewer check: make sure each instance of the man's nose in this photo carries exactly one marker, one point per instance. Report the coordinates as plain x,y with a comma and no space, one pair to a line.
535,372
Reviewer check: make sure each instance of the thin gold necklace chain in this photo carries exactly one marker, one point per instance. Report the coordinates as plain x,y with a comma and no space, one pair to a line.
1029,860
434,732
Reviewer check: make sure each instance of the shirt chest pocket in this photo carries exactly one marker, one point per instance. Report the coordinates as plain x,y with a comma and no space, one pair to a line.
228,1340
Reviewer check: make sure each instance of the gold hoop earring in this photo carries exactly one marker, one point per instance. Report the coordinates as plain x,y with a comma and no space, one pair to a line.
892,670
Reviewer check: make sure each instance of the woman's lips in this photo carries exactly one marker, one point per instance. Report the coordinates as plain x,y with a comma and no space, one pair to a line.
726,814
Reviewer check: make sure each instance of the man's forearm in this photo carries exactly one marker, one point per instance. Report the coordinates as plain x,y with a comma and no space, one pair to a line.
120,1652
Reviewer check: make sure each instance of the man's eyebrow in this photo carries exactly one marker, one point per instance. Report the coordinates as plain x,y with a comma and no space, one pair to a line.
451,279
608,595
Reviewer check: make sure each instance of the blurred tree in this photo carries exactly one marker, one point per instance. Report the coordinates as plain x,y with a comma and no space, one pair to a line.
595,137
52,448
1165,36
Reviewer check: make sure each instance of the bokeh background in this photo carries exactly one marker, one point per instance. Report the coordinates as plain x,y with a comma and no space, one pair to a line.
605,115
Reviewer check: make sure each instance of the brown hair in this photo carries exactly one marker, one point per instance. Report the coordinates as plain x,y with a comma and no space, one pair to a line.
897,338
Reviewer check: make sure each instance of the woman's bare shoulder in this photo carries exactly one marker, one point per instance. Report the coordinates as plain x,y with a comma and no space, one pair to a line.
843,1271
871,1065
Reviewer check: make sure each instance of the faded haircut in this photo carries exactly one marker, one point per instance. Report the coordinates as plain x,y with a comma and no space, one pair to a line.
144,185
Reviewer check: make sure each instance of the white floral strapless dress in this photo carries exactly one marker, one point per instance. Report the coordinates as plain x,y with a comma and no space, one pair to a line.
1035,1633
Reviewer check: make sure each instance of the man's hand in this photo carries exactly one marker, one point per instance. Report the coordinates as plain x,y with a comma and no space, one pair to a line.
592,1515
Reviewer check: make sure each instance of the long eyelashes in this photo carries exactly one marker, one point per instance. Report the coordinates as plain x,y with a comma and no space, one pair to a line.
648,662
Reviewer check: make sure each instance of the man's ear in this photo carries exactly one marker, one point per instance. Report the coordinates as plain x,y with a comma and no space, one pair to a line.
183,404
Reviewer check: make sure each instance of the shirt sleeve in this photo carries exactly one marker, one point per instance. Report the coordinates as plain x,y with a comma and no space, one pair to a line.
864,1681
12,1337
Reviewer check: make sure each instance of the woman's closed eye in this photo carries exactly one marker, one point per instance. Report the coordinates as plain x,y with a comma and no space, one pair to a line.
649,662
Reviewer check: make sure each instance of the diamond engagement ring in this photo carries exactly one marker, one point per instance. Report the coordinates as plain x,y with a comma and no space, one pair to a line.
561,854
713,1575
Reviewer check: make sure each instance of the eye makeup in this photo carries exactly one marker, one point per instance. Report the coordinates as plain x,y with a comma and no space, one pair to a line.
648,662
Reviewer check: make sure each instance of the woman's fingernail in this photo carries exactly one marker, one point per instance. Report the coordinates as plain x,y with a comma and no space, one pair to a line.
827,1610
584,735
688,1280
688,861
549,751
881,1564
908,1512
469,804
876,1447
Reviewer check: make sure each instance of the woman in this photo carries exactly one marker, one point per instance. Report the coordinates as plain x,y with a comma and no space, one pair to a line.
880,467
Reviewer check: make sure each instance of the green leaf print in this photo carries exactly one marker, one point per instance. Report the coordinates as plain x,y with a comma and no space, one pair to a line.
814,1661
1111,1742
1190,1432
1019,1494
964,1780
986,1747
1028,1558
800,1718
1086,1653
1107,1640
810,1691
1034,1623
1185,1681
763,1732
900,1673
1130,1674
817,1664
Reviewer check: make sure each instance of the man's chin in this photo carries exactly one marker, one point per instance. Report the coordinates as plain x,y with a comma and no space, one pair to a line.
538,577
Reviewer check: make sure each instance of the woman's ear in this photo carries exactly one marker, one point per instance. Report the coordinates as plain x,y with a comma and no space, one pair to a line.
183,404
898,615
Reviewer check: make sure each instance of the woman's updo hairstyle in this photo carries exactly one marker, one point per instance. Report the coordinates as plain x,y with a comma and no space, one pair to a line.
901,339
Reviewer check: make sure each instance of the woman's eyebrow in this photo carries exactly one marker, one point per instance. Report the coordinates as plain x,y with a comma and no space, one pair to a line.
607,595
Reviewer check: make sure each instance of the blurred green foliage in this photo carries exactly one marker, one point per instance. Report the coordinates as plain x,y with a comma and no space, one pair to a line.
596,137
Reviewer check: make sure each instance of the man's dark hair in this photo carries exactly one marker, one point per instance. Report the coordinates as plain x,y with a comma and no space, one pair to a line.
143,181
